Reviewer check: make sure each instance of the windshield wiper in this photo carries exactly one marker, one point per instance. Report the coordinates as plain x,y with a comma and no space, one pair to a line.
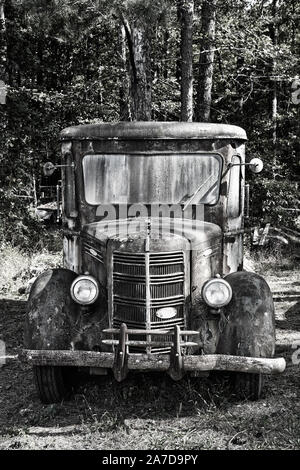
192,197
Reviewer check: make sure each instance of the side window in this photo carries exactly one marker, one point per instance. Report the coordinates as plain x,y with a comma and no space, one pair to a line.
234,193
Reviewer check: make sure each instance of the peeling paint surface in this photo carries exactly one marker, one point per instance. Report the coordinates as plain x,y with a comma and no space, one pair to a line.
250,330
101,170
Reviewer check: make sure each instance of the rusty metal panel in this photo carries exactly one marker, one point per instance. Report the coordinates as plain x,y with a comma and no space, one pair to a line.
72,253
68,182
218,245
250,325
94,259
153,130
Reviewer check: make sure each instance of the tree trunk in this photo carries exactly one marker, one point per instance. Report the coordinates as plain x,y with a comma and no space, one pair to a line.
273,84
3,45
206,60
240,83
186,15
139,44
124,87
166,69
240,63
3,83
274,124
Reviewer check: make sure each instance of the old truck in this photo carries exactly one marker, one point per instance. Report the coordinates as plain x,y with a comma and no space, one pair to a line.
153,279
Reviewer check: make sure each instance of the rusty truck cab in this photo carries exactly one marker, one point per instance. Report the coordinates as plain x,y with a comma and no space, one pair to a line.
153,279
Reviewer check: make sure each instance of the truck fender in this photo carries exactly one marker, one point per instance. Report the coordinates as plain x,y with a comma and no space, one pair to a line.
51,311
249,329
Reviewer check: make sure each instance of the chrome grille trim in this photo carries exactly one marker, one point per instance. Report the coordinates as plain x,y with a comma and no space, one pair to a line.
132,260
142,283
134,290
162,279
168,301
130,324
168,324
128,278
129,301
166,290
165,270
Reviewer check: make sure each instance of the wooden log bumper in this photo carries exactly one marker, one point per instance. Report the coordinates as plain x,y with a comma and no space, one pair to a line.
159,362
160,332
157,344
43,357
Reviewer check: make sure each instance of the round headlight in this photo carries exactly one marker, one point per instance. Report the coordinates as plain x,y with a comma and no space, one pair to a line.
216,293
84,290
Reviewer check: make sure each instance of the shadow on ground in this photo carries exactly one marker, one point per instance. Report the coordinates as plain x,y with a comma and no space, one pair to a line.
147,410
292,316
153,396
289,317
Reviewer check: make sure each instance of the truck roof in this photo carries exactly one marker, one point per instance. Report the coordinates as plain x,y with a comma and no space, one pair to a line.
141,130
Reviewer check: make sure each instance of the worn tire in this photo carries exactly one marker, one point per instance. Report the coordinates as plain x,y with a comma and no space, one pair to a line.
53,383
250,329
248,386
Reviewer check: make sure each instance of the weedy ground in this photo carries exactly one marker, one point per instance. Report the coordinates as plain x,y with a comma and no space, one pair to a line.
148,411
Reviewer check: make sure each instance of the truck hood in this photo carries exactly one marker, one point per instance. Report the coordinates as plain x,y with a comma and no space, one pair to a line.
155,233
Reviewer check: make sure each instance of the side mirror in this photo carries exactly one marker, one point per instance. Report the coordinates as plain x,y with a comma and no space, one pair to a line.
256,165
48,169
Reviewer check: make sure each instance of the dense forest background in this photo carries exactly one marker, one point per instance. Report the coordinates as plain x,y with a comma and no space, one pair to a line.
71,62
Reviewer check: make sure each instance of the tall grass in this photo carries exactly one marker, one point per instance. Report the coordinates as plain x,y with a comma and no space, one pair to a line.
13,264
19,268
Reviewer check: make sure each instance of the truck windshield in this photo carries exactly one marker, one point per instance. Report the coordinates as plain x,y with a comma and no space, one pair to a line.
151,179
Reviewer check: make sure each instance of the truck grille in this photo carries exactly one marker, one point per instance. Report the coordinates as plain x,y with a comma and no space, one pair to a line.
144,283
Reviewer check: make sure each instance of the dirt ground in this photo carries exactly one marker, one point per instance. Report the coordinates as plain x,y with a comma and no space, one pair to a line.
149,411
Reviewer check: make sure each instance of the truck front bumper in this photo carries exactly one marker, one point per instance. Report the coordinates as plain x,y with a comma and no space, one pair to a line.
155,362
176,363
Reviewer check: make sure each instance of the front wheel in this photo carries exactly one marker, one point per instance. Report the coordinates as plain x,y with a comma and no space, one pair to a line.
53,383
247,385
250,328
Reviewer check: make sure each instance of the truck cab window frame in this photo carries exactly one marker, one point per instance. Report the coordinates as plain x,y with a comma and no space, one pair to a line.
166,162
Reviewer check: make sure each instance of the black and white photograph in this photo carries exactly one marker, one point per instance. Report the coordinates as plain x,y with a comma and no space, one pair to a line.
149,228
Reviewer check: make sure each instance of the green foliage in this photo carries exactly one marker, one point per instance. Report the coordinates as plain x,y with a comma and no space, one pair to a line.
149,10
65,67
18,226
274,202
